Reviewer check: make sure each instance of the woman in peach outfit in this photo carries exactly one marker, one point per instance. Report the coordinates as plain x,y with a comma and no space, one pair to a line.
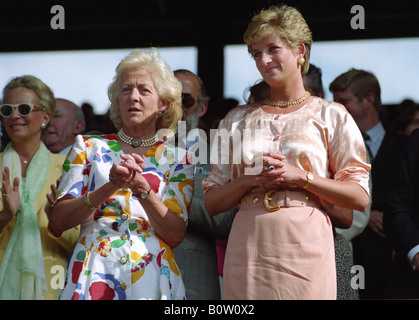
301,158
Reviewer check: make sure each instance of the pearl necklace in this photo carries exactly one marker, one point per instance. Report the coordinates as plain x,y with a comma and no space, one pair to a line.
136,142
284,104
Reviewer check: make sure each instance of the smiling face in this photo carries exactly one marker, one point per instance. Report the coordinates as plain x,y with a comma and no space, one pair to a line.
275,60
139,103
26,128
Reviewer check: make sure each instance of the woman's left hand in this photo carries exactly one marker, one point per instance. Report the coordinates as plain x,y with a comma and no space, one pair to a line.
124,174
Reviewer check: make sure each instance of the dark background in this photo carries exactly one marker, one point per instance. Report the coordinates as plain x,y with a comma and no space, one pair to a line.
208,25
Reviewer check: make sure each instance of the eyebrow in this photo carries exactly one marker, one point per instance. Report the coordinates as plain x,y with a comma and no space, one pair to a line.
270,44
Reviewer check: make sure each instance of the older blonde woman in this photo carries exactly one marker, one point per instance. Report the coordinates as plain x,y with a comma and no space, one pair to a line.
130,192
312,157
30,259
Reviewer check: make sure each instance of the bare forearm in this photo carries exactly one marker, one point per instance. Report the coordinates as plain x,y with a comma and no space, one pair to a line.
340,193
223,198
69,212
166,224
341,217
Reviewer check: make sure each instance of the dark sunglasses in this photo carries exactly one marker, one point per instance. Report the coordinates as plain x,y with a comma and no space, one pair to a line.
23,109
188,100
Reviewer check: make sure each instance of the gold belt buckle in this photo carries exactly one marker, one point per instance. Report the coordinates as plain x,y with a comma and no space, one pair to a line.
267,199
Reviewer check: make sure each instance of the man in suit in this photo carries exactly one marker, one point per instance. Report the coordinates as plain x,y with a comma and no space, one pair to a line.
196,255
401,223
359,91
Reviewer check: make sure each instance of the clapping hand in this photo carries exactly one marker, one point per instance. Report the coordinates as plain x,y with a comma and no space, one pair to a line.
10,194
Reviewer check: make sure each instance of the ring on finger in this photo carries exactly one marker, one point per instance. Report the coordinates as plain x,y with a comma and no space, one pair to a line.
4,194
270,168
112,179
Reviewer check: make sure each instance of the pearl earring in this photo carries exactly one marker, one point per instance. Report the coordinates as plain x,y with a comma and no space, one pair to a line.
43,126
301,61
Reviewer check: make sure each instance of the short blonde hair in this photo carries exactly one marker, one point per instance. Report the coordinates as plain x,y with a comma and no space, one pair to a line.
167,85
284,21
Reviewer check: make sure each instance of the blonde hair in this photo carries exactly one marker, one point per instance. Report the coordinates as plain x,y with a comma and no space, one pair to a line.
287,23
167,85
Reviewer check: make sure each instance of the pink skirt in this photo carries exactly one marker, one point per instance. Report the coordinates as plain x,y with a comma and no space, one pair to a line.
285,254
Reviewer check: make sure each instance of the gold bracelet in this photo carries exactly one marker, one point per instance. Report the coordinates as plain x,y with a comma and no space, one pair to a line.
310,178
88,202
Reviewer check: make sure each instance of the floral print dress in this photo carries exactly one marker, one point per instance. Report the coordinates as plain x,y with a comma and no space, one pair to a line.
118,255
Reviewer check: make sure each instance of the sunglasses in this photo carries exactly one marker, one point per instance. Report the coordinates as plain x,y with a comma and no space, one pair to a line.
188,100
23,109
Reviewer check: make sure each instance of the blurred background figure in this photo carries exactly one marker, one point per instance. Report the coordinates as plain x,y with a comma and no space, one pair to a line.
257,93
359,91
196,254
401,222
67,123
408,117
313,82
343,246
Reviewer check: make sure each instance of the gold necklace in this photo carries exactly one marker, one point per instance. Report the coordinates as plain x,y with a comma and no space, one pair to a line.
137,142
284,104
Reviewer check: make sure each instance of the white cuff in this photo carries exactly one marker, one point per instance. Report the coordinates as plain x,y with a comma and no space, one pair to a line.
411,254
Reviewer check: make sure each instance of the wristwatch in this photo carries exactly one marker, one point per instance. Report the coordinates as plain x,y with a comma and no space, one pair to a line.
310,178
143,194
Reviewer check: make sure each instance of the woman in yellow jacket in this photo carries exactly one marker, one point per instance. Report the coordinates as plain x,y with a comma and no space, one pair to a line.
32,260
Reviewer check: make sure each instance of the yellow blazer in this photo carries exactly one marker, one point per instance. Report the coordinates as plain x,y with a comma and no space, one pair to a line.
56,251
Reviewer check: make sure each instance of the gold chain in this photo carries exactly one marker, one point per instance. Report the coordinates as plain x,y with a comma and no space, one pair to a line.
137,142
284,104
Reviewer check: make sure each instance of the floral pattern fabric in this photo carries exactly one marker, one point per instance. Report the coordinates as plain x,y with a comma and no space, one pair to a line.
118,255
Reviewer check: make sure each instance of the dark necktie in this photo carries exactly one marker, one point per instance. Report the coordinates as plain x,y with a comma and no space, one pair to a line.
366,138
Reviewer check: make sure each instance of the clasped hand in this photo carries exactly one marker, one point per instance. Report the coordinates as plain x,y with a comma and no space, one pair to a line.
127,174
276,170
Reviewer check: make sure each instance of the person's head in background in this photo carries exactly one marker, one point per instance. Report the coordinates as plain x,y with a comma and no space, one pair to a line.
67,123
194,98
360,93
408,118
257,93
313,81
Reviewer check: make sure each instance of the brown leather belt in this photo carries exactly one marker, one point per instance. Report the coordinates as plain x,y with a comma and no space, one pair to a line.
273,200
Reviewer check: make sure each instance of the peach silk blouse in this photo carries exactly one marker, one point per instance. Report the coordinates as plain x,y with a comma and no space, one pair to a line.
320,137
